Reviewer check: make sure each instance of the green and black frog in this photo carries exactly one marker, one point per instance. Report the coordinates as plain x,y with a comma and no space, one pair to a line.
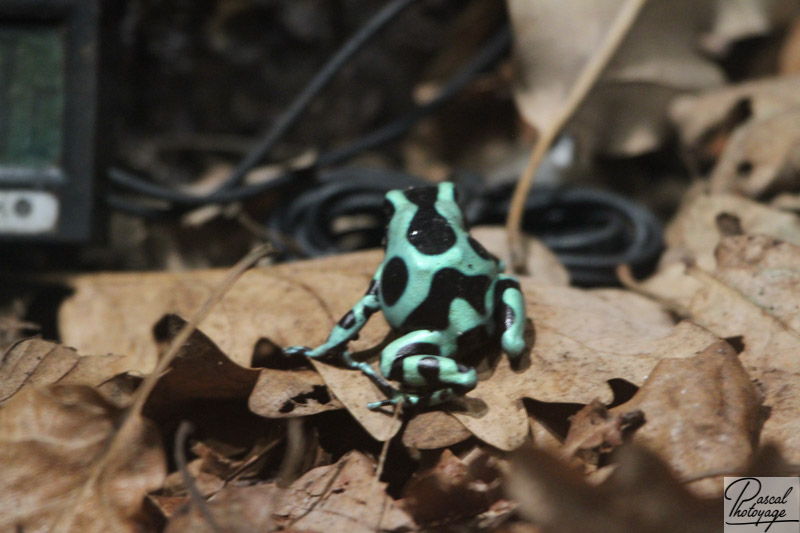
439,289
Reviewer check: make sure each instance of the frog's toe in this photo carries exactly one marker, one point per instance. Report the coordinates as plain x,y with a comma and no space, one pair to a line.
373,406
398,398
513,345
296,351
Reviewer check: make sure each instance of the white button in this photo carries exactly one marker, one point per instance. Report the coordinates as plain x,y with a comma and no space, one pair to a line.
27,211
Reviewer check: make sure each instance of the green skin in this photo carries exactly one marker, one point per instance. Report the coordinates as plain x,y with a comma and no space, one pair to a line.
424,361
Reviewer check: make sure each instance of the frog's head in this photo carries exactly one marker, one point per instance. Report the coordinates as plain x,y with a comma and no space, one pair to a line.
426,217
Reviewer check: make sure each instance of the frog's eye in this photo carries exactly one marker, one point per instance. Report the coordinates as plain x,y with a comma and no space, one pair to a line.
388,209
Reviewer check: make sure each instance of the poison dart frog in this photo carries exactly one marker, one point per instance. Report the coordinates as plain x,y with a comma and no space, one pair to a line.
438,288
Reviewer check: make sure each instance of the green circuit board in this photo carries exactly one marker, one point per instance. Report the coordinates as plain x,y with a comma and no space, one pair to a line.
31,96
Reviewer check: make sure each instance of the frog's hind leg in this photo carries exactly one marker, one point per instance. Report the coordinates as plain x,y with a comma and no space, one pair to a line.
368,371
421,360
509,309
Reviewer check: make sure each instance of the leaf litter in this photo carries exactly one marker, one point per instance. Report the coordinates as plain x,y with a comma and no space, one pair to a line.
50,438
654,395
629,341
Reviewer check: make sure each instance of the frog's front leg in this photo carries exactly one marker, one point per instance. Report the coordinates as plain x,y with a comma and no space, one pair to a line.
509,309
421,361
345,330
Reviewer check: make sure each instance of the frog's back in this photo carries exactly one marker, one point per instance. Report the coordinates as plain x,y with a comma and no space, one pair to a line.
431,260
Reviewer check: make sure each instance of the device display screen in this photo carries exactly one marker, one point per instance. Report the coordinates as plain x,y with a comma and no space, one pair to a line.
31,98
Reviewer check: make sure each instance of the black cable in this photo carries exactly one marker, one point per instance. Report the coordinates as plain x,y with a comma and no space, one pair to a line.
486,56
320,80
276,132
128,180
308,219
591,231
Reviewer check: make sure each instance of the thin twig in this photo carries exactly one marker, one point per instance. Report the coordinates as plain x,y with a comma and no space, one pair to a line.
180,339
379,468
295,447
322,495
586,80
626,278
129,426
184,430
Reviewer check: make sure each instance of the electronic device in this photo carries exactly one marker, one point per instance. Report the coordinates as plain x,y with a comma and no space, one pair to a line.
48,108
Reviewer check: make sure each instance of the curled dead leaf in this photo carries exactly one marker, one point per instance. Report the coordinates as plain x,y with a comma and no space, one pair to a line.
596,432
454,489
761,157
36,362
50,438
289,304
698,115
434,429
235,510
757,122
702,414
555,39
754,294
340,497
640,495
199,371
582,340
694,234
291,393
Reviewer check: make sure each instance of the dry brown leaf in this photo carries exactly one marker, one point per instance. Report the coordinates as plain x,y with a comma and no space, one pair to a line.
763,121
115,313
49,439
341,497
235,510
789,59
199,371
698,116
640,495
693,235
754,295
701,414
555,39
594,431
751,295
738,20
582,339
291,393
454,489
38,362
290,304
434,429
207,483
761,157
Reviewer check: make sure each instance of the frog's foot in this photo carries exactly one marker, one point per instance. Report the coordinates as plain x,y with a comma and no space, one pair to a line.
510,316
422,399
368,371
321,352
296,351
